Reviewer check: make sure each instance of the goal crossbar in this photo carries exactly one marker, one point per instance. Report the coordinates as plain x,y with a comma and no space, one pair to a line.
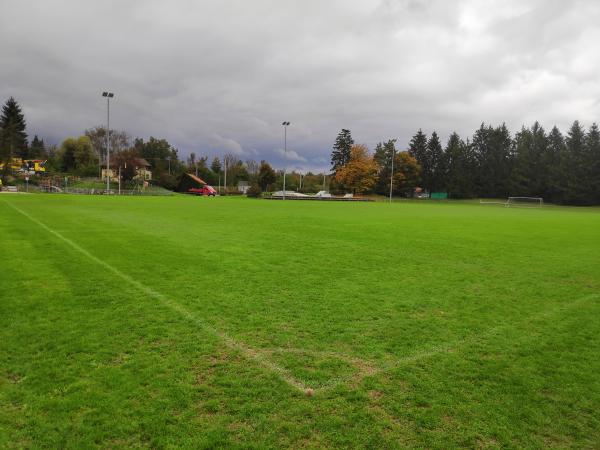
525,202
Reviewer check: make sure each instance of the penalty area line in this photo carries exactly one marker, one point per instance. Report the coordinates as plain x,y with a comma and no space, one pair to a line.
230,342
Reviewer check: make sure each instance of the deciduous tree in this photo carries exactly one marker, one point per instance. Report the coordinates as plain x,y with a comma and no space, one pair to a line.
407,174
266,175
360,172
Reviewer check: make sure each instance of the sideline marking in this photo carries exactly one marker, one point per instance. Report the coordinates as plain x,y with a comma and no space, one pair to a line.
364,368
230,342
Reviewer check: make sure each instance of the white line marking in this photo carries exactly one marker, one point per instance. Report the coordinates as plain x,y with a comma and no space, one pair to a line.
230,342
284,374
458,345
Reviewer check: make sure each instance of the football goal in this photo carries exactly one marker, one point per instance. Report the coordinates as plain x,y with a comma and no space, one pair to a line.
524,202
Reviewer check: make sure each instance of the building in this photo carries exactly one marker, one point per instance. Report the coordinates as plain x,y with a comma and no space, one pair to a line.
142,171
243,186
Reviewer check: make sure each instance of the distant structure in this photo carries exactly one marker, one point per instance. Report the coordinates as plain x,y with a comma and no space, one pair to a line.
189,181
142,171
243,187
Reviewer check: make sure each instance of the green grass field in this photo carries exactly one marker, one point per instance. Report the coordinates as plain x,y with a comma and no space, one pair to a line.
196,322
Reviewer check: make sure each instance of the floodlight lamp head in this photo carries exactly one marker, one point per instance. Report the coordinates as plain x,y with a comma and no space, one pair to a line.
105,94
111,95
285,123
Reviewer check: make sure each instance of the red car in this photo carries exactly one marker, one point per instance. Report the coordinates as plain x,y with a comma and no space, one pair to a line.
204,190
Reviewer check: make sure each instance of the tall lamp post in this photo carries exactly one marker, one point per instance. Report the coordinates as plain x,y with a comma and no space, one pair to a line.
285,125
392,175
108,96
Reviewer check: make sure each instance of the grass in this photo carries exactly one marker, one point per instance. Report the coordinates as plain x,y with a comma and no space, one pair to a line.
196,322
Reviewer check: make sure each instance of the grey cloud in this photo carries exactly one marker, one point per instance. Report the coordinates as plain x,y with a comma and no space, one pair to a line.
217,77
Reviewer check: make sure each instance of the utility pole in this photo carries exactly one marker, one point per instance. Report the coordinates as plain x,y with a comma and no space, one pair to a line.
225,180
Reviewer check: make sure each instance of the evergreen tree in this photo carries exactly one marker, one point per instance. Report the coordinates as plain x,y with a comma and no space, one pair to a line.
13,139
437,169
383,157
340,156
528,177
418,150
591,166
552,161
460,173
574,166
493,148
37,149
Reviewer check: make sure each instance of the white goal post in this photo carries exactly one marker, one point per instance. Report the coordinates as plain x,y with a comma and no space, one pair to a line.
525,202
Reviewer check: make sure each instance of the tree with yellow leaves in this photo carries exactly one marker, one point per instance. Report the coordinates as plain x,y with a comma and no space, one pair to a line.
359,174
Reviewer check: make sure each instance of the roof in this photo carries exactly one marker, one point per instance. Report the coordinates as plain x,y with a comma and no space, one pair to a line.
141,162
196,179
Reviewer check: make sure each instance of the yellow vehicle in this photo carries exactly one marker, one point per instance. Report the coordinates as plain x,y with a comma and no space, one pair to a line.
30,166
34,165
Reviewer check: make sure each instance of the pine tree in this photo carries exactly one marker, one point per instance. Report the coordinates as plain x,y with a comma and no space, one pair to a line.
37,149
13,139
418,150
435,157
552,161
521,176
573,165
340,156
591,166
383,157
493,149
460,168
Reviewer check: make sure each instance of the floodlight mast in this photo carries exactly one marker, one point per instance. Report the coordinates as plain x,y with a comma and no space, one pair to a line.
392,174
108,96
285,125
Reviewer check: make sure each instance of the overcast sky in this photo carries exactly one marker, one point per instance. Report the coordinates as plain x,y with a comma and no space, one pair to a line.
220,76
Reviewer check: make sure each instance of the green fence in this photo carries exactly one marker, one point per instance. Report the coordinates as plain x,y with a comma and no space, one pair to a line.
439,195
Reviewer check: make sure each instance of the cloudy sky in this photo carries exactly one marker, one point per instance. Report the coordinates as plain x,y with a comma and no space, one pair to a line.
220,76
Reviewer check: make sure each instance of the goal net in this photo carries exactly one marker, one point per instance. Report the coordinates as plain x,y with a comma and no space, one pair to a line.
525,202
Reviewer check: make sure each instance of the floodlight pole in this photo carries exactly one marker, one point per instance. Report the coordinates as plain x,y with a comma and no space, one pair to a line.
285,125
392,175
108,96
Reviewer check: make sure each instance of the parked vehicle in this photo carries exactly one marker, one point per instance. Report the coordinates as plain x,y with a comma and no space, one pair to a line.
204,190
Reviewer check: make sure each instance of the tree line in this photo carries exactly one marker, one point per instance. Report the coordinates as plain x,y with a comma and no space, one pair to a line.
492,163
85,156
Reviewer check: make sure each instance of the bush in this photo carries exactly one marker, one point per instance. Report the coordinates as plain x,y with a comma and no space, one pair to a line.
254,191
